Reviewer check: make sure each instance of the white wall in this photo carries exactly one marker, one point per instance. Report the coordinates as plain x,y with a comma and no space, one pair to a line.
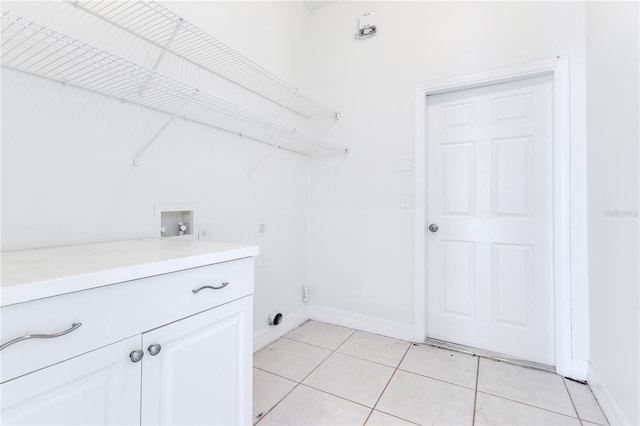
67,171
612,117
361,240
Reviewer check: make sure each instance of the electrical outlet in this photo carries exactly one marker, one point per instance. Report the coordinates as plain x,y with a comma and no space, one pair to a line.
262,228
203,234
405,201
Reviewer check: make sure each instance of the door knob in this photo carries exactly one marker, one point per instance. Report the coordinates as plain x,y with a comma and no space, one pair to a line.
433,227
155,349
136,355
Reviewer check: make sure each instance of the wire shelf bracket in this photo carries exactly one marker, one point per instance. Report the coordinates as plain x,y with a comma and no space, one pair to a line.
162,54
140,153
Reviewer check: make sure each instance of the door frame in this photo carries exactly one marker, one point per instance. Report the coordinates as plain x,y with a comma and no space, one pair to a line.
558,69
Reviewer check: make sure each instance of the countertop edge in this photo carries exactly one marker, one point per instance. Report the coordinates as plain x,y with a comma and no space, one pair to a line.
27,292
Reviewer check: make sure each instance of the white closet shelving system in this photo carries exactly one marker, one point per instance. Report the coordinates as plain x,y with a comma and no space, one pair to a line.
38,50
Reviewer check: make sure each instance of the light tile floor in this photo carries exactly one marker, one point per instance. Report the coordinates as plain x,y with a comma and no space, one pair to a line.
321,374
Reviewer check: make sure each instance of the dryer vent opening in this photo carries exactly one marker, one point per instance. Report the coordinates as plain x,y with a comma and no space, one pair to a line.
275,318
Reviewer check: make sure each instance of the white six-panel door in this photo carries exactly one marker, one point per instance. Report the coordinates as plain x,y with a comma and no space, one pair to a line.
489,191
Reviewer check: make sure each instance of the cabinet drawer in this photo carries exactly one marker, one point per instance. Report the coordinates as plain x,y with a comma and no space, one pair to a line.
114,312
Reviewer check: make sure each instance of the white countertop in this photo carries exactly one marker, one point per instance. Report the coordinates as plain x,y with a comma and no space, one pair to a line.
38,273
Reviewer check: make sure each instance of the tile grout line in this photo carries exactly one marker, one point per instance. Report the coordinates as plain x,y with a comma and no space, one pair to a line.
435,378
345,340
275,374
388,381
334,351
573,404
396,416
529,405
396,369
475,394
368,360
298,383
276,404
337,396
286,336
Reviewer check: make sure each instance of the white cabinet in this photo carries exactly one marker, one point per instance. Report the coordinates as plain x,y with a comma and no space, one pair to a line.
100,387
201,374
193,328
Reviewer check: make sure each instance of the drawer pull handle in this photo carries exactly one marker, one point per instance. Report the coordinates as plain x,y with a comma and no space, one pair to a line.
223,285
74,326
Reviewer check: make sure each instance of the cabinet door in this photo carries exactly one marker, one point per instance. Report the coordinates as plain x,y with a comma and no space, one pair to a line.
202,374
101,387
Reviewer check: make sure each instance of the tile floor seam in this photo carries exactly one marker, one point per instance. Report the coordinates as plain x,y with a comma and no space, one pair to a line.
276,404
573,404
435,378
334,351
275,374
337,396
345,340
606,419
308,344
607,422
284,335
396,416
528,404
368,360
374,408
389,381
316,367
368,417
297,383
475,394
325,358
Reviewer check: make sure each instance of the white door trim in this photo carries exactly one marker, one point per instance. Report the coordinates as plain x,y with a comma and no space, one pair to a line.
558,68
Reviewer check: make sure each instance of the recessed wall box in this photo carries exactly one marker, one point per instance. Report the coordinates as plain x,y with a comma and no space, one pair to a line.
172,220
367,26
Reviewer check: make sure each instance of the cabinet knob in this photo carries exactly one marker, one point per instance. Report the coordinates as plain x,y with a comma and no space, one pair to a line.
136,355
155,349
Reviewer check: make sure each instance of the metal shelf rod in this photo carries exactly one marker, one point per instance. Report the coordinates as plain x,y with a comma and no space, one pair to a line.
148,20
39,50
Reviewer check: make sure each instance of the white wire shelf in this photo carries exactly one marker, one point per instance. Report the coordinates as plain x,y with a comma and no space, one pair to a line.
41,51
163,28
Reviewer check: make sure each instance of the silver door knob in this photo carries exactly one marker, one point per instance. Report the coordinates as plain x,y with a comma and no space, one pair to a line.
154,349
433,227
136,355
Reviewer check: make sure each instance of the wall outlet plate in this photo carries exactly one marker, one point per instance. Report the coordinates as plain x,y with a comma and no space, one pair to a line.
261,230
262,260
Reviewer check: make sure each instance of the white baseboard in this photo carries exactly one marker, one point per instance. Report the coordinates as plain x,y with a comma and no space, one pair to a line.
579,369
605,399
387,328
268,334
